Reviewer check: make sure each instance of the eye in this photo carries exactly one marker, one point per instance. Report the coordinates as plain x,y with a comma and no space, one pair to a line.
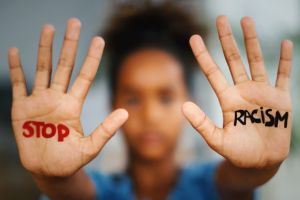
166,99
131,101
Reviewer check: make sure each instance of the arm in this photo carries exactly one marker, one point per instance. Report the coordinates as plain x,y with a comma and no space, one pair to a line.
77,186
257,116
46,123
239,183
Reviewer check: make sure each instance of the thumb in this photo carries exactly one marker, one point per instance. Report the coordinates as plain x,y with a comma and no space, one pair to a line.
106,130
200,121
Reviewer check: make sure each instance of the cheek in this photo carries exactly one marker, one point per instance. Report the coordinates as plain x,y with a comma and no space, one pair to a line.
132,127
173,113
174,121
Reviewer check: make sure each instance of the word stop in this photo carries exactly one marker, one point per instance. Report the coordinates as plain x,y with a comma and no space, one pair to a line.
46,130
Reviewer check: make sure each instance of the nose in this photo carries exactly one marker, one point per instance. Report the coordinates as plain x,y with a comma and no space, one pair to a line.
151,113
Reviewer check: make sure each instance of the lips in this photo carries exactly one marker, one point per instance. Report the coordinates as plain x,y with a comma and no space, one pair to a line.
150,138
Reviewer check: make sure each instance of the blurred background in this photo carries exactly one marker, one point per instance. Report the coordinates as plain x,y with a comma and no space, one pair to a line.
20,23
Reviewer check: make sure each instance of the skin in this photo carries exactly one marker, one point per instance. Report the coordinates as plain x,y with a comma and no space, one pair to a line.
252,152
52,164
152,91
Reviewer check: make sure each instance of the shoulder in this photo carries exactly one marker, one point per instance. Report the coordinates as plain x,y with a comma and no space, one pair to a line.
197,181
110,186
200,178
201,171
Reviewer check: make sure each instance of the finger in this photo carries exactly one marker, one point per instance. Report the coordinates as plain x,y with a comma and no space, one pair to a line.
285,65
203,125
67,56
106,130
254,53
89,69
211,70
44,60
16,74
231,52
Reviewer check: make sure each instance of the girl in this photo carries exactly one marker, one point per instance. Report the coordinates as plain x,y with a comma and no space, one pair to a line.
149,79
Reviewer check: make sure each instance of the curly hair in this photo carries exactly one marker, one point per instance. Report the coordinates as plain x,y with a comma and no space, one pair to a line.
166,26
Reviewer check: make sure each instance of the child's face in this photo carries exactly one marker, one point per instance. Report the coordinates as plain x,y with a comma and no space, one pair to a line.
151,88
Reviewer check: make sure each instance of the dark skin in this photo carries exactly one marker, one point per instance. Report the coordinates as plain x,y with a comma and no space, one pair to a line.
153,93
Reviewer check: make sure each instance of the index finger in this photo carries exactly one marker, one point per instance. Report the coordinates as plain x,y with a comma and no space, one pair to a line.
214,75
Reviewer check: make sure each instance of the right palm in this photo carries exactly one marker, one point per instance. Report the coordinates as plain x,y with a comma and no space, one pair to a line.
51,103
48,156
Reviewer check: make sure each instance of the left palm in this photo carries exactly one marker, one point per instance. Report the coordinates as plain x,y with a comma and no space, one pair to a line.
250,144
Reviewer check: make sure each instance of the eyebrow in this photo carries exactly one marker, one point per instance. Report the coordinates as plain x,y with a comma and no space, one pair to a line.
127,89
165,89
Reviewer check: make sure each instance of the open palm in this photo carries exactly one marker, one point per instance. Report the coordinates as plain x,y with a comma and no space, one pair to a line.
250,144
50,102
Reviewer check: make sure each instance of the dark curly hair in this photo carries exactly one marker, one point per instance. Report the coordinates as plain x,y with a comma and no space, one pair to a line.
167,26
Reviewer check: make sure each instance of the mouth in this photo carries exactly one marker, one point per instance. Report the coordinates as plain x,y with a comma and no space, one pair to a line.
150,138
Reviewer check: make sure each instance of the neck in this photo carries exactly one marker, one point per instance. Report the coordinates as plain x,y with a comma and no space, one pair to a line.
153,178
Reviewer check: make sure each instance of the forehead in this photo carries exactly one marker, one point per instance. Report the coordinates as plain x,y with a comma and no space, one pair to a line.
150,68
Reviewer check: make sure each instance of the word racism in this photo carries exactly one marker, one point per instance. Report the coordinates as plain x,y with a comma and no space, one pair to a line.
265,117
46,130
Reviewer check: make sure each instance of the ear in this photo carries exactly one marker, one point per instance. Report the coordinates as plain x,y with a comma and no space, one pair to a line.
113,105
187,95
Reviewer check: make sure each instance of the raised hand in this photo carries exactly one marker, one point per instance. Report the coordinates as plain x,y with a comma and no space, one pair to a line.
46,123
248,138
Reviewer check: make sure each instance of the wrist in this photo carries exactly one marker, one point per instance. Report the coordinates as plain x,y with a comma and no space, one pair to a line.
232,177
67,187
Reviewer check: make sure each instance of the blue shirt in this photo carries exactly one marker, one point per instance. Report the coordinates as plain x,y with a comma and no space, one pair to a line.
195,182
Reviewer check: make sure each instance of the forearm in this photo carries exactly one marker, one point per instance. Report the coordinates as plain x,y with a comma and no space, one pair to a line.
77,186
238,183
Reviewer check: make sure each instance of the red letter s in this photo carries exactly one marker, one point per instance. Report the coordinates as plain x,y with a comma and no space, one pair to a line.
27,127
